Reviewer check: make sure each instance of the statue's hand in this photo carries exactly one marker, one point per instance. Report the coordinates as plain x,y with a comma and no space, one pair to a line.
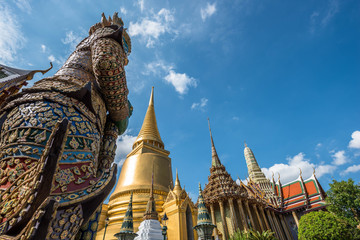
123,124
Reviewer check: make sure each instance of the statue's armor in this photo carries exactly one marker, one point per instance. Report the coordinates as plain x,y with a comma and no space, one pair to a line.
89,85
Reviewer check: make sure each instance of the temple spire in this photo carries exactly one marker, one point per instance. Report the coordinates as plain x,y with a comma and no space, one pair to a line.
203,213
149,130
254,170
204,225
151,212
215,161
127,225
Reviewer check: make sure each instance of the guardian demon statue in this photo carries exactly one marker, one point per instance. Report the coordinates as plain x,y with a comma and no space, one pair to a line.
58,140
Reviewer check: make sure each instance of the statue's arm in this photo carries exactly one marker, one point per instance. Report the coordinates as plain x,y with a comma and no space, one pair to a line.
108,60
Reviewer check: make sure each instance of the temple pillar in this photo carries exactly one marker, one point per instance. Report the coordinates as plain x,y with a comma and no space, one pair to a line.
286,229
223,219
295,218
277,224
233,215
265,219
250,215
242,215
273,227
258,217
213,219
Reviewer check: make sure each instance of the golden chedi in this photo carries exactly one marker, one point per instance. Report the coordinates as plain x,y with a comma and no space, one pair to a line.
147,156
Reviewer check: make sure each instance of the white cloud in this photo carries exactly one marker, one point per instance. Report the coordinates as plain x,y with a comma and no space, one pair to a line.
235,118
318,145
351,169
123,11
208,11
73,39
181,81
339,158
150,29
331,10
52,58
355,141
141,4
157,67
23,5
124,147
193,196
320,19
200,105
11,37
324,169
290,171
43,48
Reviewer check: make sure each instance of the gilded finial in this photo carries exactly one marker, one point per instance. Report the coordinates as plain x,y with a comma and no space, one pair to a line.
177,188
300,172
151,101
272,176
245,144
313,171
278,176
149,129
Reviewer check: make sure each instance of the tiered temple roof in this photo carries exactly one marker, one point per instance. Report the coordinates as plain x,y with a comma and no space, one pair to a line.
220,186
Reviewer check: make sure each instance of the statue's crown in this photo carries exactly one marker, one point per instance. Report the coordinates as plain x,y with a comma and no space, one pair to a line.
116,20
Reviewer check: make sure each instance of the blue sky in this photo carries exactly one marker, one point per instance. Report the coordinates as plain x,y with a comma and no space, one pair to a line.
281,75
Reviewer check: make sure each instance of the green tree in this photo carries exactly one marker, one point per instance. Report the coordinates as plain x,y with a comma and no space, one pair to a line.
344,199
322,225
253,235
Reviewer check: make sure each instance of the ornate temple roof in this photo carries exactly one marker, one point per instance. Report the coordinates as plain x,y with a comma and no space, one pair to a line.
149,130
13,79
301,194
221,185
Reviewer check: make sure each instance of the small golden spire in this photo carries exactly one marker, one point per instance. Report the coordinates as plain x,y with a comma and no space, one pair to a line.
245,144
177,188
149,130
151,212
313,171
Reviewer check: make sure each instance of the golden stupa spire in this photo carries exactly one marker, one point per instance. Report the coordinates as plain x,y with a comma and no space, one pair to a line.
149,130
177,188
151,212
215,161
